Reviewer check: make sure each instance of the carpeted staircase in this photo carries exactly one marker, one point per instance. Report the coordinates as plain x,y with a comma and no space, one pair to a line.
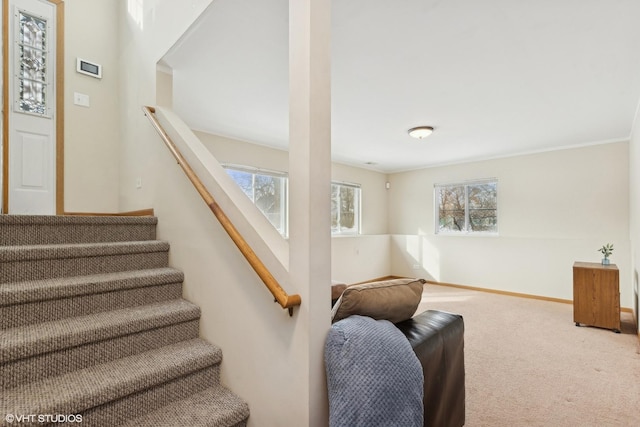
92,322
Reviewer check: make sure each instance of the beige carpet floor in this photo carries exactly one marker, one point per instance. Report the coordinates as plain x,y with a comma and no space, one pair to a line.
527,364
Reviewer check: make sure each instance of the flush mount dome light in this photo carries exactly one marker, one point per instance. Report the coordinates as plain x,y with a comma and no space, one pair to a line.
420,132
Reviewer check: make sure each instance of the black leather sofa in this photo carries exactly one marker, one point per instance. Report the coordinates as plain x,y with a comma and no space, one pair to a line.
437,338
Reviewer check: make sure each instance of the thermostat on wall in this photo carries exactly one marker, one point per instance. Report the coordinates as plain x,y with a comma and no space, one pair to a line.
89,68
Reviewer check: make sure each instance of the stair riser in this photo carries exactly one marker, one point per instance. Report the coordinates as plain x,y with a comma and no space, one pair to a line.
137,404
16,235
44,311
60,362
13,271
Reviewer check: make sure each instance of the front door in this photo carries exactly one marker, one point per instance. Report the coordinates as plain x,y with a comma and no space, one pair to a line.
31,107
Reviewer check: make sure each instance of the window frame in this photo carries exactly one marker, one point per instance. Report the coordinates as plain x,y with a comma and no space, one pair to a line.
466,231
284,202
357,207
355,231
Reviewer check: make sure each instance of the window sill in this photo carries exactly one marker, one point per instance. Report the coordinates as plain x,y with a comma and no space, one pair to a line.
464,234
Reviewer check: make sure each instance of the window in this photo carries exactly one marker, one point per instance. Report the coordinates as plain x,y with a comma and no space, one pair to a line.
267,190
32,56
345,208
470,207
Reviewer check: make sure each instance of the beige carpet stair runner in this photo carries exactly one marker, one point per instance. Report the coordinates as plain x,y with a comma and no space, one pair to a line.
93,325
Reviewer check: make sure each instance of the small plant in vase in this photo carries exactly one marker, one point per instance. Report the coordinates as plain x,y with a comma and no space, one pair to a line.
606,250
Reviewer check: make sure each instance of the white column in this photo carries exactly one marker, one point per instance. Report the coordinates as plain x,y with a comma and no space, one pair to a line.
309,190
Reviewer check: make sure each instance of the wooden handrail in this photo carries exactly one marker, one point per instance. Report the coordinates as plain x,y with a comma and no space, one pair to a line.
280,296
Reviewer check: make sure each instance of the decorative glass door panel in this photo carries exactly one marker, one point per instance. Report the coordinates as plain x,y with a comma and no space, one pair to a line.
31,63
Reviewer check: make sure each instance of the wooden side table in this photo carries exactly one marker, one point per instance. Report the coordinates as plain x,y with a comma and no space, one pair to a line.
596,295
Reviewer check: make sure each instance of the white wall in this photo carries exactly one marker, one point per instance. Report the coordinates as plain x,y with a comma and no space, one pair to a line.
92,135
354,258
634,211
554,208
147,30
361,258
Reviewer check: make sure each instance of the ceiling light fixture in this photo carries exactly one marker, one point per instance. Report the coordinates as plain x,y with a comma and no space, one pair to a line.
420,132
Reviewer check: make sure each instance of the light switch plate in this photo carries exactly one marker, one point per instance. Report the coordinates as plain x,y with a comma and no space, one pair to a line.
81,99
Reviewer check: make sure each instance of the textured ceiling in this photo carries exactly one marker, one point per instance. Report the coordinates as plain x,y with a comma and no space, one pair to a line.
494,78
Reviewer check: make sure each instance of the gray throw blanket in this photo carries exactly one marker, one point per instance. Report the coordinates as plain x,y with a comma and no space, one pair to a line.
373,376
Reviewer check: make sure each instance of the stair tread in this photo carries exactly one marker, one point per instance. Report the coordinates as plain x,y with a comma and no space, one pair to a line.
78,391
65,287
76,219
214,406
75,250
29,340
41,229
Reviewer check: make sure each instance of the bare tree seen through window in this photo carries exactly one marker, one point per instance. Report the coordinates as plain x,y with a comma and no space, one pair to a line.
467,207
345,206
267,192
